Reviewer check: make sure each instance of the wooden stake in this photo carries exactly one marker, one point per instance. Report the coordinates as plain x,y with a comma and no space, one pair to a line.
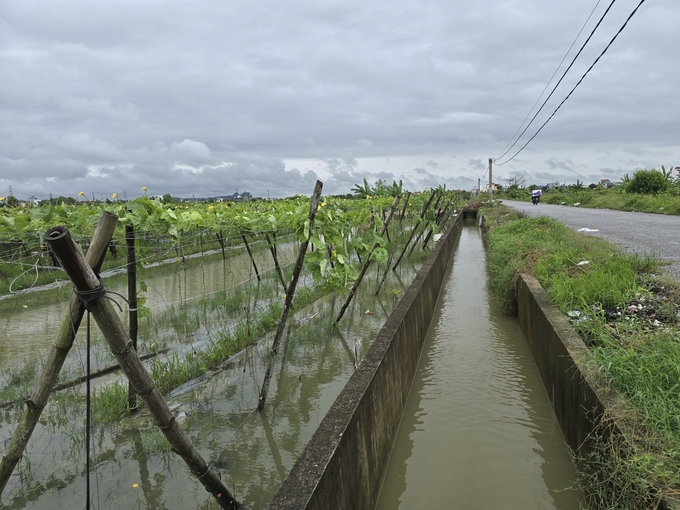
272,248
314,204
415,228
132,301
250,253
367,262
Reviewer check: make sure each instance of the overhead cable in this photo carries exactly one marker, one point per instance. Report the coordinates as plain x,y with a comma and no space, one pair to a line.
550,80
575,86
560,80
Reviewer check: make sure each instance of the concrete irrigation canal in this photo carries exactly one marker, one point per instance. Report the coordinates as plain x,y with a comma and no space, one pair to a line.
476,427
478,430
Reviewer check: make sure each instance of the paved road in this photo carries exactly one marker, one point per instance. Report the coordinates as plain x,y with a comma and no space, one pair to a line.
634,231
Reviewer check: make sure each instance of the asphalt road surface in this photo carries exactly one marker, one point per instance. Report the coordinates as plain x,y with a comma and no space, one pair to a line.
657,234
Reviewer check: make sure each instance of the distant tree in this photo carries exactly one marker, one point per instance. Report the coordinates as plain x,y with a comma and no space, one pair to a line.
592,185
12,201
167,198
362,191
516,180
667,174
64,200
648,182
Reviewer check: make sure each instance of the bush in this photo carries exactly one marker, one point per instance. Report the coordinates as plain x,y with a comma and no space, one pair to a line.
647,182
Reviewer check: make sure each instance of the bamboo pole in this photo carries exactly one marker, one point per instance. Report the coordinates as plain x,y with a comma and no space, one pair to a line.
87,284
55,360
367,262
250,253
132,301
93,375
314,204
427,222
415,228
220,239
272,248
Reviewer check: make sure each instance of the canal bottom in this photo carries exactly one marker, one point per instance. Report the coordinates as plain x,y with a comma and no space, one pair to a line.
478,430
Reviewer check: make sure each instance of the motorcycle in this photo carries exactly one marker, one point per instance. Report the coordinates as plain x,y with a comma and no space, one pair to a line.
535,199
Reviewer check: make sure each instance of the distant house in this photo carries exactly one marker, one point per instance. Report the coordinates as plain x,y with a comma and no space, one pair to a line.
495,187
605,183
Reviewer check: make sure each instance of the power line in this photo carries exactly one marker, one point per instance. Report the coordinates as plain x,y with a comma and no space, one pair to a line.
551,79
575,86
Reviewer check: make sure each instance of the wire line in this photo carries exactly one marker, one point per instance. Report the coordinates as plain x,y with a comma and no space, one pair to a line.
551,78
560,80
579,82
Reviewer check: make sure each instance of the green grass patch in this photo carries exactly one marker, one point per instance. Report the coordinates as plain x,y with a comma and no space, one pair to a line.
628,316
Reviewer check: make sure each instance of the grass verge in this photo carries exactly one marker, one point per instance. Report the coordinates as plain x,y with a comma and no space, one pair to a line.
628,315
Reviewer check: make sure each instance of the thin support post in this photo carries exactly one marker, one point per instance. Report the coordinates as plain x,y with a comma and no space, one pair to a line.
250,254
367,262
132,302
313,206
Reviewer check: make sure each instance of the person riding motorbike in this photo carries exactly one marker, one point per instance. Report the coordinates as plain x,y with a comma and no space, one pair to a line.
536,196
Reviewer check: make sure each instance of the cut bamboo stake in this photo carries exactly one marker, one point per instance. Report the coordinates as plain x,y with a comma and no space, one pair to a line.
367,262
272,248
403,211
415,228
250,253
427,222
220,239
132,301
314,204
55,361
86,283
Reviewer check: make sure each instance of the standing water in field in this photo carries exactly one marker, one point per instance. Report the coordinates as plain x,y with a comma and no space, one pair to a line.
478,430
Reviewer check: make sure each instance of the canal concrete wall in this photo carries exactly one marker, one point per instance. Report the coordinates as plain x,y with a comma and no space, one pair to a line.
343,464
557,350
585,411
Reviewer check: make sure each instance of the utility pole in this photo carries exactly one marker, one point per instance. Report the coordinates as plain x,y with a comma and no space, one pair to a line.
490,180
479,185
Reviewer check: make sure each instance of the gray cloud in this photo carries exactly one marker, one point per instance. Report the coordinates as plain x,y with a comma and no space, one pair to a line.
209,97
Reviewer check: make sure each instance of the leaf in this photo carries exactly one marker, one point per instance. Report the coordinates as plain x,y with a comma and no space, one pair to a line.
380,255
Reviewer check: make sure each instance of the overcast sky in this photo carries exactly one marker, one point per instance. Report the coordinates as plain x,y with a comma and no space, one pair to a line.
208,97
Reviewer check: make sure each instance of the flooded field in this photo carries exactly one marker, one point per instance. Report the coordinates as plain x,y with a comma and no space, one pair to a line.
252,450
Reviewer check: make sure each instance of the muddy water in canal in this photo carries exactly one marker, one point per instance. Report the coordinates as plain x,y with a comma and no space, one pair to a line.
478,430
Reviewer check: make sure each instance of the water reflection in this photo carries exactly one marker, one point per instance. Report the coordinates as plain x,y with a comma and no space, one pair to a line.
253,451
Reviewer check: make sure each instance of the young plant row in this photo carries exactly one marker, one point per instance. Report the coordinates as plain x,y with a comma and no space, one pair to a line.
177,230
